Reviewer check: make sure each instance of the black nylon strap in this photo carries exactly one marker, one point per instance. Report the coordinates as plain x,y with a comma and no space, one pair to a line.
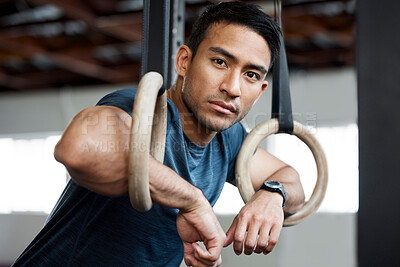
281,102
155,38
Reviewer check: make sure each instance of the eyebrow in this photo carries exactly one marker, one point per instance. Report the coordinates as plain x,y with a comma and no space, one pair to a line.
222,51
257,67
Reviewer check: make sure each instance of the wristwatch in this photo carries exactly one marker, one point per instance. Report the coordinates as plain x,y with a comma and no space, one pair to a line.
274,186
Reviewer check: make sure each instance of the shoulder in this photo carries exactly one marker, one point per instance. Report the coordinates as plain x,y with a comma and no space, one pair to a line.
122,99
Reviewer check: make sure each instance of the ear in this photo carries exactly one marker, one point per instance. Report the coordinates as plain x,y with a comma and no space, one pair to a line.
183,59
263,88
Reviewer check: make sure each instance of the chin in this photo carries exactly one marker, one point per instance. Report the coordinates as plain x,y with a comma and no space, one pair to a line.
217,126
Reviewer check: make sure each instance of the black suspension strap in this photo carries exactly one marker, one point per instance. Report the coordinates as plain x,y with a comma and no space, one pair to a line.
282,122
163,33
155,38
281,102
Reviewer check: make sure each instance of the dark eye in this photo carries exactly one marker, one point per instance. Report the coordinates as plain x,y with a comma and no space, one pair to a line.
253,75
219,61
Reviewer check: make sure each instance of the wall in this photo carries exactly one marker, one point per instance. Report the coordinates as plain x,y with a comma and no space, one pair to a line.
330,94
326,239
46,111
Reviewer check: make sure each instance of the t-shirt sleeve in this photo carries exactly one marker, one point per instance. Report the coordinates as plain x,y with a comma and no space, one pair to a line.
235,136
122,99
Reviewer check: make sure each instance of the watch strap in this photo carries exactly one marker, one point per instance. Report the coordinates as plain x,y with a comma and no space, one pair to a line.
274,186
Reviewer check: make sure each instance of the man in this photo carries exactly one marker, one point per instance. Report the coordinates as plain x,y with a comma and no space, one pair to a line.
221,74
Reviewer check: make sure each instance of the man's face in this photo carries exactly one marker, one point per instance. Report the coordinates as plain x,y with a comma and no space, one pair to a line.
226,76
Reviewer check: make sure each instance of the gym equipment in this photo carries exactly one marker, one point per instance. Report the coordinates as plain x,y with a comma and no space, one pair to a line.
252,140
161,38
282,122
145,139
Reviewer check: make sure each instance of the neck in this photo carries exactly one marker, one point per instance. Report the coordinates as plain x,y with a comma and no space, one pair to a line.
191,127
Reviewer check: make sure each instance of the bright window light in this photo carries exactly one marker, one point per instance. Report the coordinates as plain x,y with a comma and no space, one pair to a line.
341,149
32,181
30,178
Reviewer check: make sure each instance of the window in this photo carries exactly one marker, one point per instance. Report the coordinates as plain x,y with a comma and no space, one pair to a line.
32,181
30,178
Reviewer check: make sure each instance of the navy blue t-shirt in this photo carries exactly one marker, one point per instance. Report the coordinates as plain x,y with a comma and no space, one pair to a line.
86,229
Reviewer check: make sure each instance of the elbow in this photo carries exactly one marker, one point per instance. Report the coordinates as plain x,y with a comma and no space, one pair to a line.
301,194
59,152
297,194
65,153
73,145
295,207
301,198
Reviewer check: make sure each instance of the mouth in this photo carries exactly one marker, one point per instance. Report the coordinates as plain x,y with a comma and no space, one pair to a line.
223,107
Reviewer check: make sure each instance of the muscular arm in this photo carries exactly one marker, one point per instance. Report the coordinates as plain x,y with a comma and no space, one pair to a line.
94,149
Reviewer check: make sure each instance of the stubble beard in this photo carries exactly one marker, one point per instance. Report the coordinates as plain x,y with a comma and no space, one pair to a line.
192,106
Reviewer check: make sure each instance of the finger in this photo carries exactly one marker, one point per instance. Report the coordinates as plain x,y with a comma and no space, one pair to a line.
199,254
188,254
273,238
208,258
262,241
230,233
240,233
193,259
188,261
251,238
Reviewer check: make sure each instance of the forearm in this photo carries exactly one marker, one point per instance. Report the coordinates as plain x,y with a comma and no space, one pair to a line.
279,171
94,149
290,180
169,189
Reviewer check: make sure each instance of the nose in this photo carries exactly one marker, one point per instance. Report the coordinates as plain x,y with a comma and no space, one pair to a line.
231,84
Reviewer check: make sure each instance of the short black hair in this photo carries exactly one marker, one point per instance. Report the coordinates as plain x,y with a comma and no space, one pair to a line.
248,15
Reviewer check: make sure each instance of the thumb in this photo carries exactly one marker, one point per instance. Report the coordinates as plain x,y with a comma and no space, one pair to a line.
230,233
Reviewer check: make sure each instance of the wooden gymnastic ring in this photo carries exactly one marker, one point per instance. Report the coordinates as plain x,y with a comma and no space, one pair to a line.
147,136
251,142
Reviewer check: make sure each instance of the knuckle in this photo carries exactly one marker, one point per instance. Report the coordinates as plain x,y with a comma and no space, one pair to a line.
243,216
272,241
221,236
262,243
277,222
258,218
214,258
238,238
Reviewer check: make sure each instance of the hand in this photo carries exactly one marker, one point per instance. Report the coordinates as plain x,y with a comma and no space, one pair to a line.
262,218
201,224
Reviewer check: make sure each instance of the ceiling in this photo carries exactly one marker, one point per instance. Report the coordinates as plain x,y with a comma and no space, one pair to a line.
50,44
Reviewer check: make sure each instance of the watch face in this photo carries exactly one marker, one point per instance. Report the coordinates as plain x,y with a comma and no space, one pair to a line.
273,184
